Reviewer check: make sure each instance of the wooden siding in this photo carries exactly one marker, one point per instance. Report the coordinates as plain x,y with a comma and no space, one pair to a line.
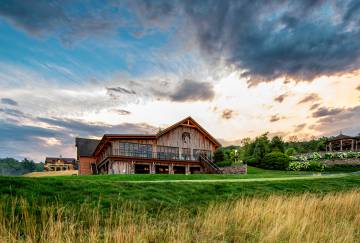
174,138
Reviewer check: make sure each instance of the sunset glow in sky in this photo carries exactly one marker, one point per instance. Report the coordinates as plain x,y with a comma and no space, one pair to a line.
239,68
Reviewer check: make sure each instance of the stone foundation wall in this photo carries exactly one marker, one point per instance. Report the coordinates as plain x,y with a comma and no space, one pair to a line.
237,169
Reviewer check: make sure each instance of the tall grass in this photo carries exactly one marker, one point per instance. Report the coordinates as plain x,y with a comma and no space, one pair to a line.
304,218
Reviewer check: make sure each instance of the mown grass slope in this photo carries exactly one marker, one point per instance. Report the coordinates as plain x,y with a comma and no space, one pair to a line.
75,191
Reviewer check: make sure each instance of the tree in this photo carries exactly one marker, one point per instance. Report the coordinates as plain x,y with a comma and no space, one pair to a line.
290,151
219,155
277,144
28,165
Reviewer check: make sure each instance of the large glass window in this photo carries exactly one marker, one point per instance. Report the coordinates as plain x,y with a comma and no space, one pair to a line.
198,152
167,152
186,154
135,150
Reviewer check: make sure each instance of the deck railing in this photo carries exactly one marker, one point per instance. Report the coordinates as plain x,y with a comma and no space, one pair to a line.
152,155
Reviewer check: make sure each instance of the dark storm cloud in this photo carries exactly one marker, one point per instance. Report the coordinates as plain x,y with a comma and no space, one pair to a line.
8,101
285,38
309,98
66,19
358,88
347,120
227,114
12,132
281,98
190,90
325,111
84,128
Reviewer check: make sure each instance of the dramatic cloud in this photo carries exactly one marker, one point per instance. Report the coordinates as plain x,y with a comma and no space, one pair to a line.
177,91
281,98
56,135
302,40
190,90
314,106
120,90
347,120
8,101
12,112
358,88
275,118
324,111
66,19
299,127
310,98
227,114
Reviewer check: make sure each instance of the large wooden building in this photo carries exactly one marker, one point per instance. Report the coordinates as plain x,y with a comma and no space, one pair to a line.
182,148
59,164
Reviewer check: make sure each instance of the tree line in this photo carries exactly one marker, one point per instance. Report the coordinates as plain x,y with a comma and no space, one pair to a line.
11,166
267,153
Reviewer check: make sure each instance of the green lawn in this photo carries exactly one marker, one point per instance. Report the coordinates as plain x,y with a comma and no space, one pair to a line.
253,172
114,190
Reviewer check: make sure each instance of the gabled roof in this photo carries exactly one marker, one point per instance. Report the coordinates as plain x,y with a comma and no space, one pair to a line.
86,146
340,137
190,122
68,160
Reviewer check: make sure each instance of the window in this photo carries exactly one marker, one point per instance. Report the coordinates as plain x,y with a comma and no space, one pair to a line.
166,152
135,150
198,152
186,154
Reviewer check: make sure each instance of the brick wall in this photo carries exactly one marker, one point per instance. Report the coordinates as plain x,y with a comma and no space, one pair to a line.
85,165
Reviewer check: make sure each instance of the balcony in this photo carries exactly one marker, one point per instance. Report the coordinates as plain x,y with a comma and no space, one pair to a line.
147,155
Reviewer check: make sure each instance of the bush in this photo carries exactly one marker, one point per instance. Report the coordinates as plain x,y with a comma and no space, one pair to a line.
252,161
223,163
219,155
307,166
316,166
343,167
290,152
275,161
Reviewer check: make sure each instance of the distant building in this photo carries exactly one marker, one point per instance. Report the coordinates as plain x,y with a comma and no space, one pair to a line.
59,164
182,148
343,143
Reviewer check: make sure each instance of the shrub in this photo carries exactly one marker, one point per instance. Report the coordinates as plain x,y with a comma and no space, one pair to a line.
343,167
307,166
290,152
328,156
224,163
275,161
298,166
251,161
315,156
219,155
316,166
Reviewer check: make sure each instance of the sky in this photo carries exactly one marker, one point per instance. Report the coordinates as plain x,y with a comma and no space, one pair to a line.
240,68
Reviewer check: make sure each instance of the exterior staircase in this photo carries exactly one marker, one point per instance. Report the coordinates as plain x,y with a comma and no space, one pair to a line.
211,166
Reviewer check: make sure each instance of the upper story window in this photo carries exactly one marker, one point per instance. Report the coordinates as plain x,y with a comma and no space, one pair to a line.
135,149
167,152
198,152
186,153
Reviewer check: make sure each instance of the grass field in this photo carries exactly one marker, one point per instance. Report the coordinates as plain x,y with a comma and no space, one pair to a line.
167,207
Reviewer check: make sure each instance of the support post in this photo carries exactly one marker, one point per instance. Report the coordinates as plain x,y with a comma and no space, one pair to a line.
187,169
352,145
171,169
341,143
152,168
330,147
